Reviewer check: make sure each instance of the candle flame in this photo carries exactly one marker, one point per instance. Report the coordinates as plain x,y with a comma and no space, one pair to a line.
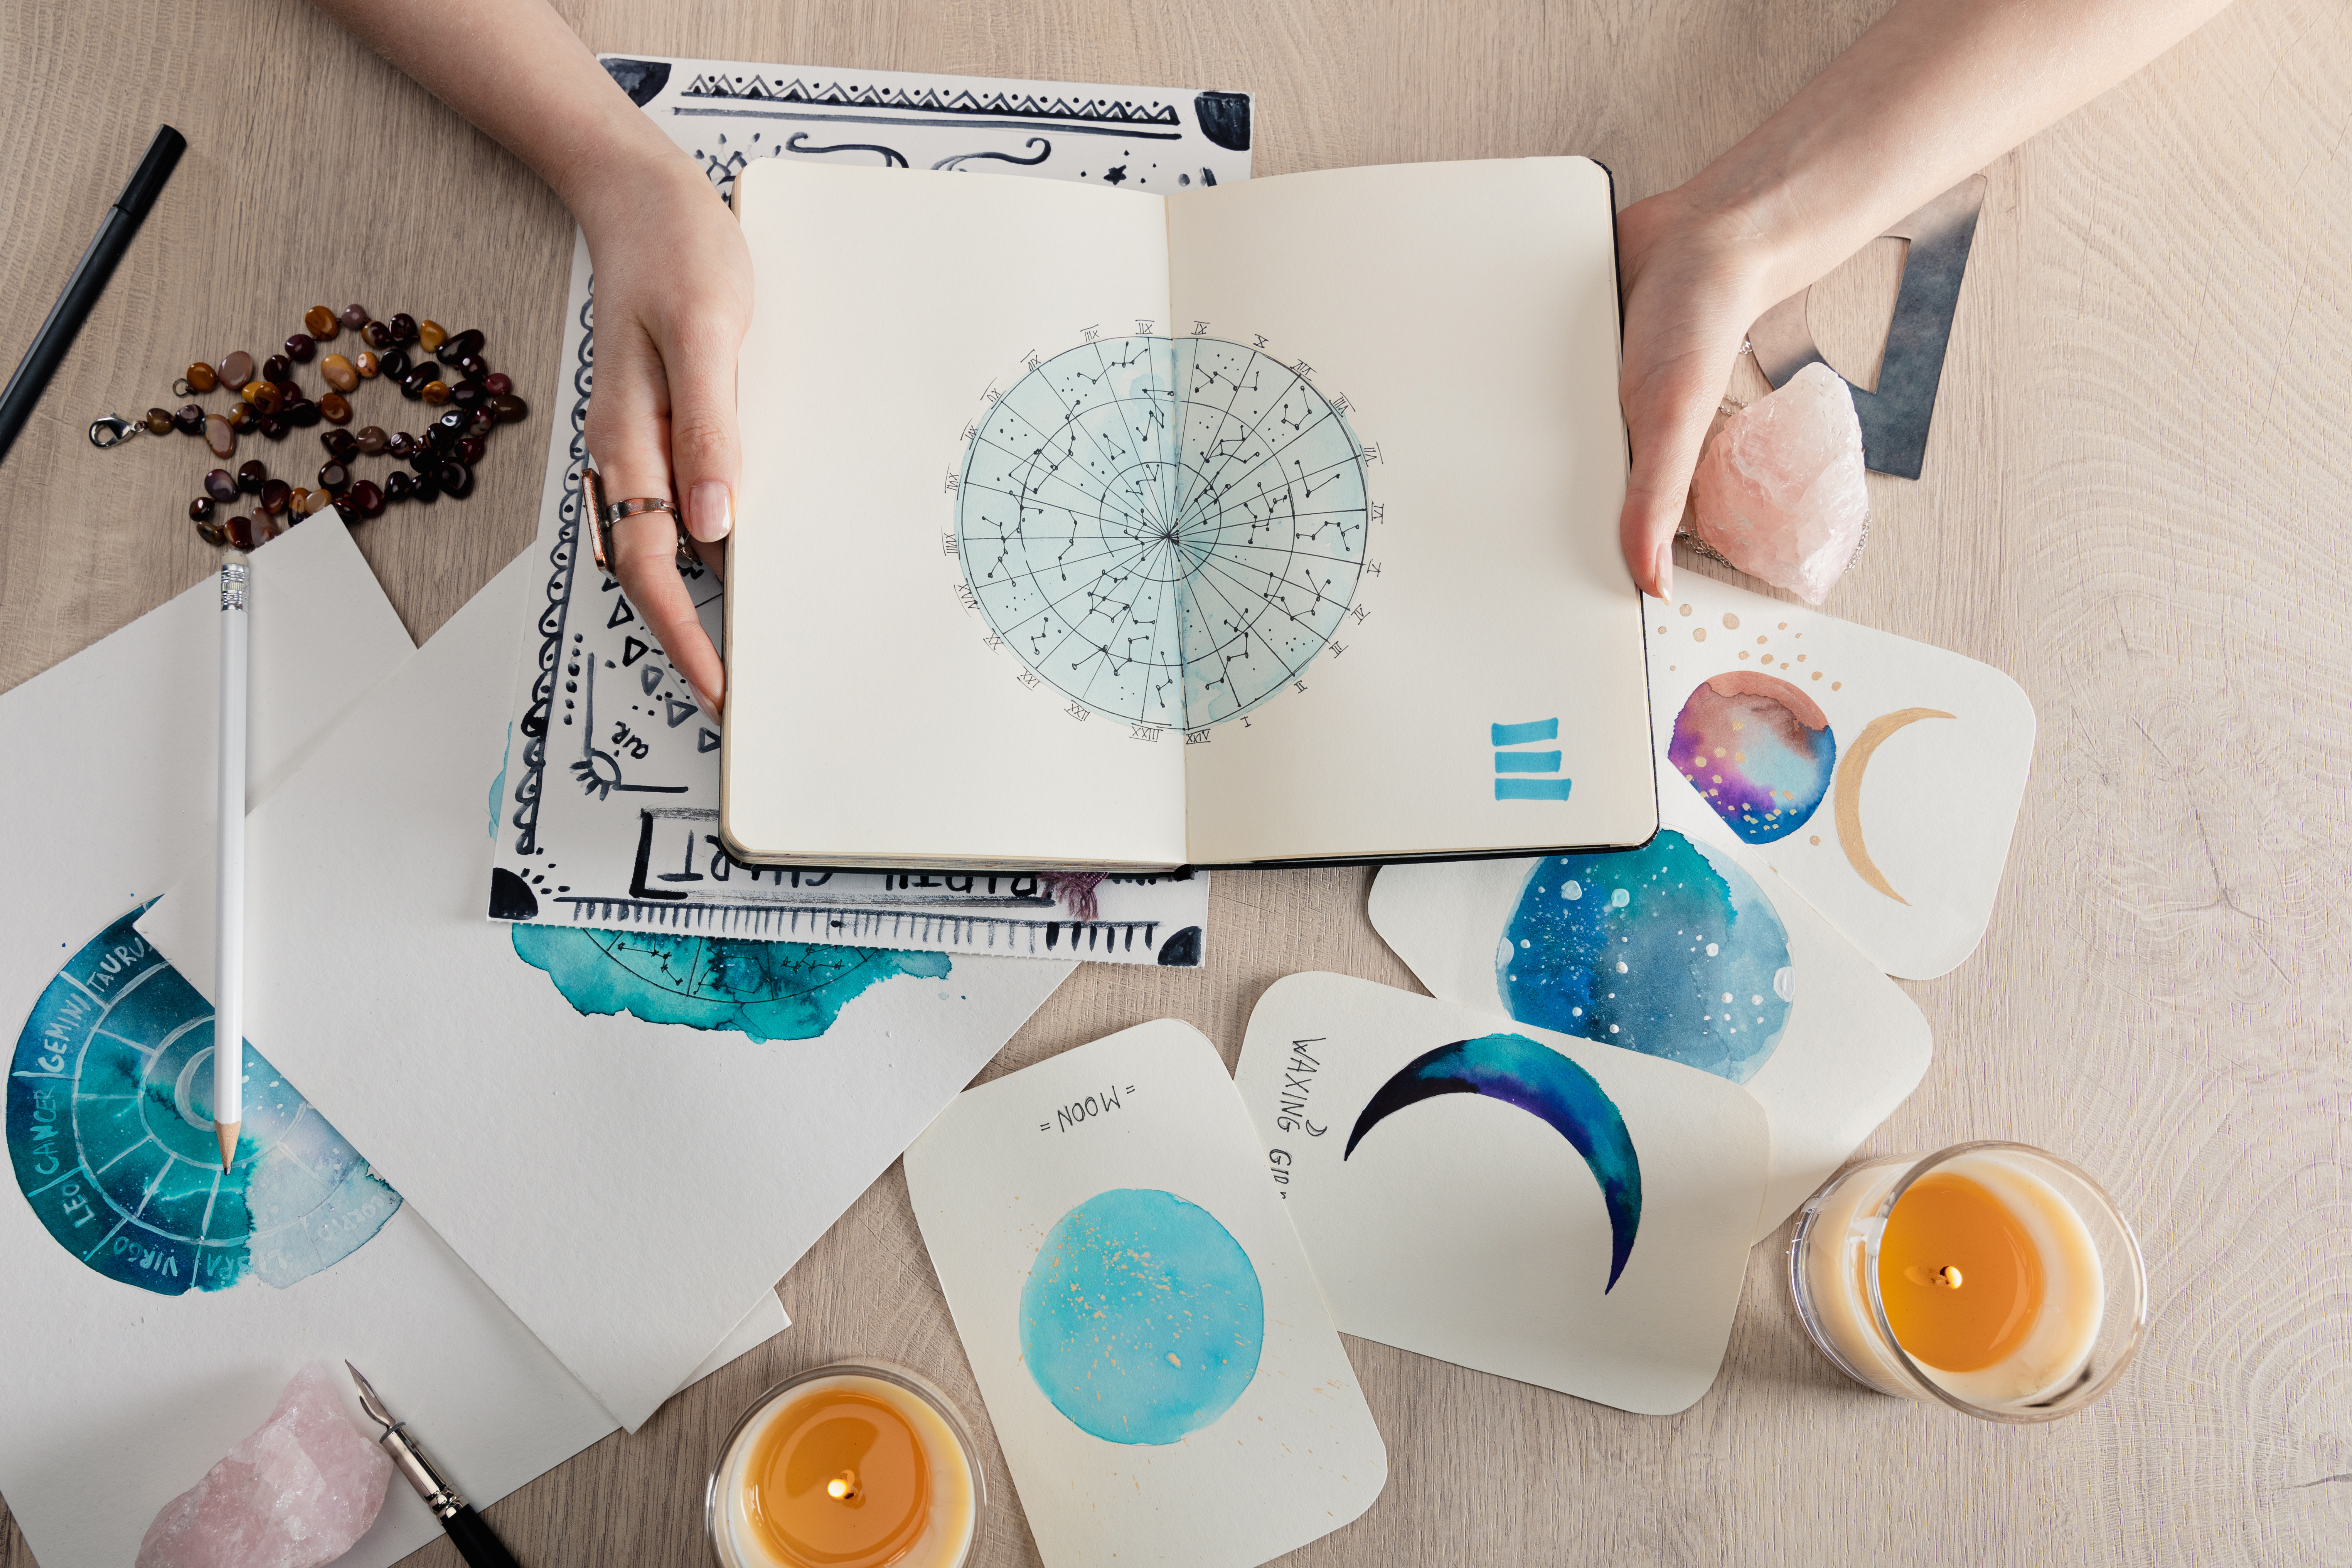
1948,1275
843,1487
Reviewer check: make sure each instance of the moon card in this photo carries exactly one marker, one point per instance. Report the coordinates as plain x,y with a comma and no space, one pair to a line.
1881,776
1505,1197
1687,949
1144,1326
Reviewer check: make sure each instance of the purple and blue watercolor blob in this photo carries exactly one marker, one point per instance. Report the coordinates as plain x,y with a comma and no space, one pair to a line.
1758,751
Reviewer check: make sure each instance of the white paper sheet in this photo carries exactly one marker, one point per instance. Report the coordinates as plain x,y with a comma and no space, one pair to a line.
1711,960
1515,1201
118,1395
1884,777
618,828
1148,1335
624,1185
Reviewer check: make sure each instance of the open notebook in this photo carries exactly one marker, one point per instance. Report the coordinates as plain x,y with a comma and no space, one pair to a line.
1252,523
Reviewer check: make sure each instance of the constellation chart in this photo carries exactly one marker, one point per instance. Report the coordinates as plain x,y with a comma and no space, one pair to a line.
1165,529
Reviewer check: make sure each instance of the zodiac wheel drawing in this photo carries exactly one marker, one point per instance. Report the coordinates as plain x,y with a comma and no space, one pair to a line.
110,1132
1169,531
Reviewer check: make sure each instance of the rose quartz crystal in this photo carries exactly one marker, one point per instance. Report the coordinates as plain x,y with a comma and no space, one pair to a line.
1779,490
297,1493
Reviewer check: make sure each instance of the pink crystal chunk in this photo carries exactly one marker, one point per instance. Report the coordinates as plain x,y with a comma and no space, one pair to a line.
1779,490
297,1493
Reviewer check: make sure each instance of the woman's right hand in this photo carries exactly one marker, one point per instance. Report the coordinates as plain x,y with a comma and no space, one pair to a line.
672,299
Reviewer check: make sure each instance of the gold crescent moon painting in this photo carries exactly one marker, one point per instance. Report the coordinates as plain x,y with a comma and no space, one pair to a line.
1850,768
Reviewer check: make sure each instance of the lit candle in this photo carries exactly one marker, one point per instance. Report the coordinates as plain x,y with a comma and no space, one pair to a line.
1993,1276
847,1467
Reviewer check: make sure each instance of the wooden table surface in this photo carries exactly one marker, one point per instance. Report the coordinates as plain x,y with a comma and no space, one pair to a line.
2134,501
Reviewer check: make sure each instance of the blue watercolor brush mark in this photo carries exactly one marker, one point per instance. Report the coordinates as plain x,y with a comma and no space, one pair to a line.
499,785
111,1133
1666,949
1143,1318
1548,1085
767,990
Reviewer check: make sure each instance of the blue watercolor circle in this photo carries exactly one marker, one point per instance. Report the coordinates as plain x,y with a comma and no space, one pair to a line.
1667,950
110,1134
1141,1318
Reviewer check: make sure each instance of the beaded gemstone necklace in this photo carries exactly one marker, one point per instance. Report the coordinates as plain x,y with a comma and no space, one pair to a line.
446,371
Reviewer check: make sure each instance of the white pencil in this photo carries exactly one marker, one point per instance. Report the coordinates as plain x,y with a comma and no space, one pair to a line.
228,964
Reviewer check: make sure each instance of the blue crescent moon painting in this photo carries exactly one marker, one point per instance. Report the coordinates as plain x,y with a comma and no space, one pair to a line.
110,1132
1548,1085
1143,1318
1670,950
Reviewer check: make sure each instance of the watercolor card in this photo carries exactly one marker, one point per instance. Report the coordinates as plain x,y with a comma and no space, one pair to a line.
627,1135
1146,1330
1881,776
158,1305
1505,1198
1687,949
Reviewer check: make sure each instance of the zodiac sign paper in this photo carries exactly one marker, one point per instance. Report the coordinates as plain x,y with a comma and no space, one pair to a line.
1881,776
1687,949
1155,1356
1505,1198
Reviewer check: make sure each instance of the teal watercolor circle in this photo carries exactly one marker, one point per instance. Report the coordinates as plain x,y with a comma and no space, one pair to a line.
1142,1319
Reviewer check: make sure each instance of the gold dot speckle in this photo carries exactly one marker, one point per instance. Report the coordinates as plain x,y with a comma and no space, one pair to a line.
1784,626
1834,685
1730,622
1765,659
1698,633
1761,641
1817,838
1817,675
1685,609
1743,652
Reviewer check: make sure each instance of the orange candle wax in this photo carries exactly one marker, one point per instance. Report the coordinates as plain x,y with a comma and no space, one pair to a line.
1989,1277
845,1470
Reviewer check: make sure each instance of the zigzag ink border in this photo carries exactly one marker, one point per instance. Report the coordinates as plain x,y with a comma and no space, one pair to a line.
540,713
961,101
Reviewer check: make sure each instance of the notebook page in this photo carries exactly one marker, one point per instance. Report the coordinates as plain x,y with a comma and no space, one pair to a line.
1462,320
866,718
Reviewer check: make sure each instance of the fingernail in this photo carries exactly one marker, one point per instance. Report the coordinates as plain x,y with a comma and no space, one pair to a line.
710,709
709,512
1666,571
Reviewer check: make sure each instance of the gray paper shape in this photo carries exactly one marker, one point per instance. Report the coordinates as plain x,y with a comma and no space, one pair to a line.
1895,417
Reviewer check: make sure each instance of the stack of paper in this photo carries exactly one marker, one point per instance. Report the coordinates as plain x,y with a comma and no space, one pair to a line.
173,1302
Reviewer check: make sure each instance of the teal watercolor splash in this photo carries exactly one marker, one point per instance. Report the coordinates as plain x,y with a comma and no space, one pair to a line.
1669,950
1143,1318
109,1131
499,785
1548,1085
767,990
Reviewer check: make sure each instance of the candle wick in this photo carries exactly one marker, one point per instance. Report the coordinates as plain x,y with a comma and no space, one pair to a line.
1949,1276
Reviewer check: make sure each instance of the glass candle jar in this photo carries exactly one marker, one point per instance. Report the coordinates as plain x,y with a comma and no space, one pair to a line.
854,1465
1993,1277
